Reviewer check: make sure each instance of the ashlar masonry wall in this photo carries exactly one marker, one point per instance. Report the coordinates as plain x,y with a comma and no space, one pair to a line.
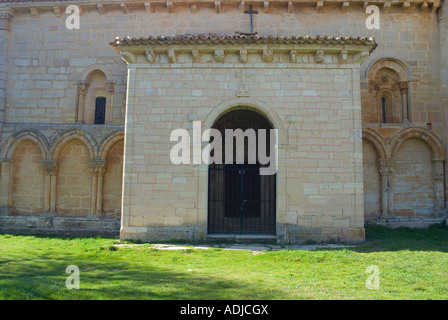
315,107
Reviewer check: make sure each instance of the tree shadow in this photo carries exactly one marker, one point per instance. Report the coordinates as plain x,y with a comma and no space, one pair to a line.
378,238
43,277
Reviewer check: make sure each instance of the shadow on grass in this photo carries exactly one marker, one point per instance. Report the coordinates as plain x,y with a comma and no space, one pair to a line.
43,277
378,238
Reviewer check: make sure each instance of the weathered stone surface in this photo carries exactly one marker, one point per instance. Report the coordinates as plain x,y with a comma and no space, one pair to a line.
331,177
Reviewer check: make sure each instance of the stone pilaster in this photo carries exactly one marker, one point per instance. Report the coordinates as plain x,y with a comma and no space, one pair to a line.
438,178
5,186
6,15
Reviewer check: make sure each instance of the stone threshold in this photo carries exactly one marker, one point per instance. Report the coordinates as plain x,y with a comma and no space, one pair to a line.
242,238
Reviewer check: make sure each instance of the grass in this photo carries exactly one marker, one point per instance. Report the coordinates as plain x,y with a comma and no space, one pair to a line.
413,264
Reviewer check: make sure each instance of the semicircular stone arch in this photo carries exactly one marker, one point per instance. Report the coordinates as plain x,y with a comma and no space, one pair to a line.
66,136
108,142
21,136
378,141
252,104
433,142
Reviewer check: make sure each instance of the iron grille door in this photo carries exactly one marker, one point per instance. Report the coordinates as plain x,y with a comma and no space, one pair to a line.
241,200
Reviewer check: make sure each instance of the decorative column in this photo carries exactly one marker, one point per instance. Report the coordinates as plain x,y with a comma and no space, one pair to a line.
5,186
403,85
386,171
438,178
50,169
97,168
6,15
110,87
99,191
82,89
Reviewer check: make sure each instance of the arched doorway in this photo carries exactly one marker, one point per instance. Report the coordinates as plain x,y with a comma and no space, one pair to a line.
240,199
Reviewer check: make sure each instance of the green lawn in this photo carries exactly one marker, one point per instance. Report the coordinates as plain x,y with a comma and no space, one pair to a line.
413,264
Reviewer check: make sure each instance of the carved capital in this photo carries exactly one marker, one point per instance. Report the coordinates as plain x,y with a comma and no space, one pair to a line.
97,167
82,88
403,86
50,166
386,167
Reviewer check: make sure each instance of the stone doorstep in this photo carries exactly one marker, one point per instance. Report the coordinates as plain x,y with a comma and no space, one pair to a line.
257,248
242,238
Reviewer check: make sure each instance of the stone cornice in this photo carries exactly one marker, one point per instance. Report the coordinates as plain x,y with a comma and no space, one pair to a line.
33,7
243,49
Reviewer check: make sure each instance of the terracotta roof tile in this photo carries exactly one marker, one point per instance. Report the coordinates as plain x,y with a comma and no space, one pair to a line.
212,38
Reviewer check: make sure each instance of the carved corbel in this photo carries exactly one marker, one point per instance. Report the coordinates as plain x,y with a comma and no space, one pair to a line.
101,9
57,11
219,55
169,7
243,55
343,56
406,6
124,8
266,6
171,56
319,56
34,12
268,55
148,7
293,56
150,56
195,54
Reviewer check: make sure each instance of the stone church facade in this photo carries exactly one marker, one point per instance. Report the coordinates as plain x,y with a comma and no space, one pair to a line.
87,116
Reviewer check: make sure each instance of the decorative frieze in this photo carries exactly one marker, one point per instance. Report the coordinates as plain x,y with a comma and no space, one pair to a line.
197,49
